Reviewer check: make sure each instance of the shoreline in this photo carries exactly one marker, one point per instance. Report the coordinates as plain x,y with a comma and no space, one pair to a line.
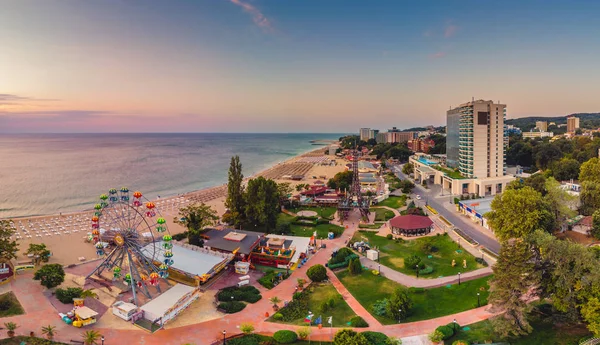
171,197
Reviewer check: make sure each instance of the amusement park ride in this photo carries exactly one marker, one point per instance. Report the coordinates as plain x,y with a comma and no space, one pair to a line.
354,198
126,224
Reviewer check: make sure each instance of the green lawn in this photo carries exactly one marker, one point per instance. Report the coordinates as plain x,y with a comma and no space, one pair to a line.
324,212
394,201
427,303
341,312
370,226
28,340
307,231
545,332
382,214
393,254
9,305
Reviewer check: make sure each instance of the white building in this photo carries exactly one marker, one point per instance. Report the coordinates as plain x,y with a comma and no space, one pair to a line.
169,304
536,134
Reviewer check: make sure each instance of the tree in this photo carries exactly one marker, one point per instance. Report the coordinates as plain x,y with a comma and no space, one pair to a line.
235,191
560,202
50,275
408,168
8,248
49,331
545,154
341,180
406,186
507,218
195,217
590,171
275,300
284,189
39,251
399,304
90,337
262,203
596,224
88,293
589,197
300,187
355,267
317,273
566,169
513,276
591,314
349,337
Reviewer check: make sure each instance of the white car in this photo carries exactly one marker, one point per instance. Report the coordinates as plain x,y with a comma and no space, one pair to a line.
418,197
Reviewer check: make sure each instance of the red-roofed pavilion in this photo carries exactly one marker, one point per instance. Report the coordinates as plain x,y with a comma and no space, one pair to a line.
411,225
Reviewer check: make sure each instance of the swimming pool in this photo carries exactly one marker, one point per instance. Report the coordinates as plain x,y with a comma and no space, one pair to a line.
427,161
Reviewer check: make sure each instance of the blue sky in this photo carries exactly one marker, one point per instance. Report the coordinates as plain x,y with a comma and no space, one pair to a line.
289,65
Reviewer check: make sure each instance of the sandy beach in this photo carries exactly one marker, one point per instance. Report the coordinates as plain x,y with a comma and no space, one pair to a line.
65,234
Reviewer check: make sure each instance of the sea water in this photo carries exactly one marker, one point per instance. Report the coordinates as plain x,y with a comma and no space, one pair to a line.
51,173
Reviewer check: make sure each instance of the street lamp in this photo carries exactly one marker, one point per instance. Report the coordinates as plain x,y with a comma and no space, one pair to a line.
379,268
454,321
458,278
417,271
478,305
399,314
102,339
224,332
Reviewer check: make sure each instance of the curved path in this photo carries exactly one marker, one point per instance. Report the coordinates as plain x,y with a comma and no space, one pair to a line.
40,313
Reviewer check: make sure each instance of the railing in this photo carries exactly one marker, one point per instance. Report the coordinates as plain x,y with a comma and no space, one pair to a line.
590,341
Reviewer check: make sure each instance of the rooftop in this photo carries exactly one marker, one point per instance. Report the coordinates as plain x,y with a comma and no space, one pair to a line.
481,206
221,240
187,258
410,222
161,304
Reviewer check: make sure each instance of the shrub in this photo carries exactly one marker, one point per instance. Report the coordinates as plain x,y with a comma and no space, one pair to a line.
252,339
446,332
355,267
460,342
454,327
296,295
50,275
180,236
285,337
248,294
232,307
358,321
380,307
389,236
304,332
376,338
252,298
436,336
341,255
66,295
483,262
322,221
317,273
412,262
426,270
296,308
277,317
247,328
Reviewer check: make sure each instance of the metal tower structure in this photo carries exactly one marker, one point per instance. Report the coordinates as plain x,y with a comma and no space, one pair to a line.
354,198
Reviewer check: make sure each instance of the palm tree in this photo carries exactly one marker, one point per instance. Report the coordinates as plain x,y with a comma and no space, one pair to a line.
90,337
49,331
299,187
88,293
10,326
275,300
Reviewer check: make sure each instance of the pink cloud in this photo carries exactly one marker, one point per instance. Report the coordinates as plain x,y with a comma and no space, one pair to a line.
257,17
438,55
450,30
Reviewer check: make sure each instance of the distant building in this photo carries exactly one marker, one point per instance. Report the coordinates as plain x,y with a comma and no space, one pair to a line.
542,126
536,134
400,137
511,129
367,133
381,137
572,124
420,145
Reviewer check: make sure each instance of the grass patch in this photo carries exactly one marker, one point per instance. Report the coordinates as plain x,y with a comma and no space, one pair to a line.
9,305
29,340
370,226
440,261
545,332
451,173
322,293
307,231
324,212
394,201
382,214
427,303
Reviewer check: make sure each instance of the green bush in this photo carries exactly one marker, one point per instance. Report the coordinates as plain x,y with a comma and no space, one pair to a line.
389,236
454,327
297,308
277,317
358,321
322,221
341,255
252,339
446,331
436,336
412,262
376,338
317,273
285,337
180,236
231,307
380,307
460,342
248,294
252,298
483,262
297,295
66,295
426,270
355,267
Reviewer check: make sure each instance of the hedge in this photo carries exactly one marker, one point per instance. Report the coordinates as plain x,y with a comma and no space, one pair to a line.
248,294
427,270
446,331
66,295
285,337
376,338
317,273
357,321
344,263
231,307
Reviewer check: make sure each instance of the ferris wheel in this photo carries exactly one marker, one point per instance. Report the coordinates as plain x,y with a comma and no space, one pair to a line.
133,239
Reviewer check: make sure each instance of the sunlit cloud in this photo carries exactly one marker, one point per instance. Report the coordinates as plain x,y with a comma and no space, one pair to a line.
450,30
257,17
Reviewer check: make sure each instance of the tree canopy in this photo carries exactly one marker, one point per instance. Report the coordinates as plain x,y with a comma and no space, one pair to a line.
590,171
195,217
235,191
39,251
50,275
341,180
8,247
262,203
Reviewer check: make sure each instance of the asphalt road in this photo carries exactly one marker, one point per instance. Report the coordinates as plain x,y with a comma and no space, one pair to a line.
431,196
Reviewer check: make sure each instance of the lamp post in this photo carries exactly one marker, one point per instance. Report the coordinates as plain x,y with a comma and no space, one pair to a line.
458,278
417,271
478,304
379,268
454,322
224,332
102,339
399,315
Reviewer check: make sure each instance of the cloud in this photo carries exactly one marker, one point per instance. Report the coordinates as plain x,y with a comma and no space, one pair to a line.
257,17
450,30
12,99
437,55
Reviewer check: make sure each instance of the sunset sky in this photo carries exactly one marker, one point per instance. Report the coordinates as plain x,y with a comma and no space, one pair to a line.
289,65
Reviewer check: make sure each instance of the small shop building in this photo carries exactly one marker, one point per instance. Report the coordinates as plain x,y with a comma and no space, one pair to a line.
231,241
169,304
124,310
280,251
411,225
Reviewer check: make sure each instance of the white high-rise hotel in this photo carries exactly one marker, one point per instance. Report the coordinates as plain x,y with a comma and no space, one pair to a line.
475,141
